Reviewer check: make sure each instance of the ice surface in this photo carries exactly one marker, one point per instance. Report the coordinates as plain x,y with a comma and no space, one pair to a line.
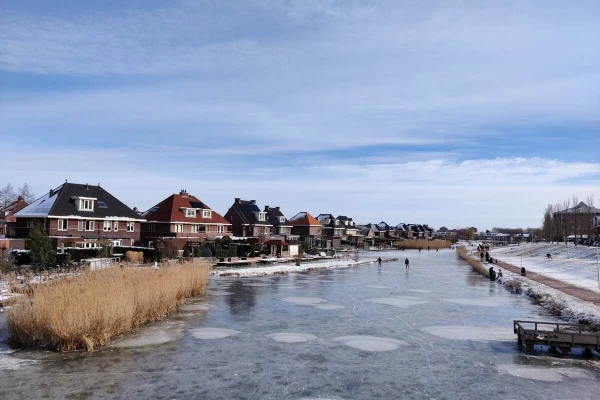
370,343
8,362
379,287
291,337
304,301
478,333
254,284
487,302
544,374
218,293
213,333
399,301
420,290
329,307
197,307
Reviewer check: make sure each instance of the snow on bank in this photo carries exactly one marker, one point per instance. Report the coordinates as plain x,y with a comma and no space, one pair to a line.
574,265
287,268
568,307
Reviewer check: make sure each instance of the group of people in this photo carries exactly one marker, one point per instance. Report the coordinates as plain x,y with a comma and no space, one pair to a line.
493,274
406,262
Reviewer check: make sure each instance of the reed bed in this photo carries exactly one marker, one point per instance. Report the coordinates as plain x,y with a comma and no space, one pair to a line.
86,311
464,254
423,244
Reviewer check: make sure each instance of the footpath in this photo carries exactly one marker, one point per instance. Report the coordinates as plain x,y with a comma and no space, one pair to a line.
571,290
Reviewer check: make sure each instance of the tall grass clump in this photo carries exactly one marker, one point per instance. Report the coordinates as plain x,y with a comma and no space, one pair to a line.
86,311
423,244
464,254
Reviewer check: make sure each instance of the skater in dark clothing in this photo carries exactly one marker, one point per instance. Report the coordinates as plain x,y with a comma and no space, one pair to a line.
379,261
492,274
419,249
481,254
523,272
487,256
437,250
406,263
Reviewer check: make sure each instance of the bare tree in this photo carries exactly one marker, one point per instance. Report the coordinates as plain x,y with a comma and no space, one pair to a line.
589,217
26,192
7,195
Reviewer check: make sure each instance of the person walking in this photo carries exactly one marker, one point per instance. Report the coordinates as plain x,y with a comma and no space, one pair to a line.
406,263
379,262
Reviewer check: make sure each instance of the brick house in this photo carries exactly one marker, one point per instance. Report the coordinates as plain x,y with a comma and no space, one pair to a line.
351,233
307,228
281,226
183,220
248,221
7,218
81,216
333,231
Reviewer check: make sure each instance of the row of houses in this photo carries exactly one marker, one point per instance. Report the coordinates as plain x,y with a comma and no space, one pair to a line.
88,216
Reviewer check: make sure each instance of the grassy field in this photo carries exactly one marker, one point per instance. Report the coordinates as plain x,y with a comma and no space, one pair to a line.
464,254
423,244
86,311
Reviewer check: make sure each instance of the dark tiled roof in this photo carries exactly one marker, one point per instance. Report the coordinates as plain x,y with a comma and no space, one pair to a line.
247,210
65,203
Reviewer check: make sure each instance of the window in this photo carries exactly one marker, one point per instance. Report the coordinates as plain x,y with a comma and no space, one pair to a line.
220,229
206,214
130,226
178,228
106,226
80,225
30,224
190,212
262,216
151,228
282,219
86,205
102,204
195,228
265,230
116,226
63,224
89,225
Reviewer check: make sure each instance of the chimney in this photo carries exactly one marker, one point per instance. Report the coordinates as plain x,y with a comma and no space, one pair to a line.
277,208
183,193
237,200
266,208
51,193
87,187
20,198
135,210
253,202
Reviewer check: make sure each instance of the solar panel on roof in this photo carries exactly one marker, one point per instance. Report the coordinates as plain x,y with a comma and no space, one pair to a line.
102,204
196,204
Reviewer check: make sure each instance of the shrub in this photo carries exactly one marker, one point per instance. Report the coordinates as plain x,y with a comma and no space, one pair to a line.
43,254
76,313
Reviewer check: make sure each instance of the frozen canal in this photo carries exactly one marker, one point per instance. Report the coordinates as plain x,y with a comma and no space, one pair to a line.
436,331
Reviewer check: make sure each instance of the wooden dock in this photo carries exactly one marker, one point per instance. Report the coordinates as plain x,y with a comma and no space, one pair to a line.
556,336
238,263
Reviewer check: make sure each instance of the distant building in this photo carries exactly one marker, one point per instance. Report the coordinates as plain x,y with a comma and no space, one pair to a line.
7,219
576,221
333,231
81,216
308,229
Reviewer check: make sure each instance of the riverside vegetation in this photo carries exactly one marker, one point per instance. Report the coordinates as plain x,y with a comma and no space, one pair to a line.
87,310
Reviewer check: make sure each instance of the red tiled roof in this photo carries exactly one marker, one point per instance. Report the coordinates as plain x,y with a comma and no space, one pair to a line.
307,219
170,210
276,242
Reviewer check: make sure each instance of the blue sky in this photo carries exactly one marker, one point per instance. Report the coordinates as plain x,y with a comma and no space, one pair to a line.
443,112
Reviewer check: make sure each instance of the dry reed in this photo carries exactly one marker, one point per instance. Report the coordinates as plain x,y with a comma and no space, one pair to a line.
135,256
86,311
423,244
464,254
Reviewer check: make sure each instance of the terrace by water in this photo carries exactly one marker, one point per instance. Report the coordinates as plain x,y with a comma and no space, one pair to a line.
435,331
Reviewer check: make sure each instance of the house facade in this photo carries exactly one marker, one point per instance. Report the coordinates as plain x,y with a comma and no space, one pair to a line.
308,229
248,221
281,225
184,221
576,221
76,215
333,231
7,218
351,234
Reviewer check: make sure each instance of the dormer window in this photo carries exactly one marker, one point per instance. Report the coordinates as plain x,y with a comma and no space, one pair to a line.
86,205
206,213
190,212
282,219
262,216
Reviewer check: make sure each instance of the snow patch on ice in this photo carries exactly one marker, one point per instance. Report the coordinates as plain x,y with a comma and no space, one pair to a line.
399,301
329,307
370,343
213,333
420,290
9,363
291,337
379,287
476,333
304,301
218,293
197,307
152,336
544,374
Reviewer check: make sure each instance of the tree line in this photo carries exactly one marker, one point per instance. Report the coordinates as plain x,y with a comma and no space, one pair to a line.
8,194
